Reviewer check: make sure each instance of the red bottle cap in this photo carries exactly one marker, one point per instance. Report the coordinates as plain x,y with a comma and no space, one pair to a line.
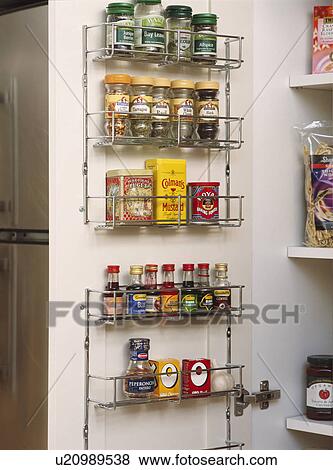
168,267
152,267
188,267
113,269
203,265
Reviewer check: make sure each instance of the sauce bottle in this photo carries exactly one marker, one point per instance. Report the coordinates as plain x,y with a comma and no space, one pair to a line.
169,293
136,302
113,302
222,295
153,298
205,293
140,381
189,302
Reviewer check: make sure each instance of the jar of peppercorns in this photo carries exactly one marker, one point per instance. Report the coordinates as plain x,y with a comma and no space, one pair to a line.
117,96
207,109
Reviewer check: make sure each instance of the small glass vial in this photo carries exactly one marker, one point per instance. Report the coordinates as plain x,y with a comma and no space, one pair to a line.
189,303
117,99
182,104
153,299
136,302
113,299
149,42
222,294
120,41
207,110
169,293
161,106
204,44
179,17
141,105
140,381
205,293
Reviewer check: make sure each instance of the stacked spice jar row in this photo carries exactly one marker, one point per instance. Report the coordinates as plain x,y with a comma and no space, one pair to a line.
148,297
139,31
146,107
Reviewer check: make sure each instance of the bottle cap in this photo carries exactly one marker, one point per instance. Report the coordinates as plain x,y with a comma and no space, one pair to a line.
182,84
168,267
162,82
153,268
204,18
149,81
113,269
325,360
188,267
149,2
221,266
178,11
207,85
139,344
136,269
119,8
203,266
117,78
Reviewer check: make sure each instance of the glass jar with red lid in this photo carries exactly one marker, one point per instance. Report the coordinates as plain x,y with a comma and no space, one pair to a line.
319,392
169,293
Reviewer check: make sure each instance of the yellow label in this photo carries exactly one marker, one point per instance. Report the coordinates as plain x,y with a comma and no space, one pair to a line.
118,103
168,383
183,107
169,303
113,306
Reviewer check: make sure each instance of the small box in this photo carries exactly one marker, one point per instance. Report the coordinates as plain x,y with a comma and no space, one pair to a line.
167,385
196,377
322,60
169,180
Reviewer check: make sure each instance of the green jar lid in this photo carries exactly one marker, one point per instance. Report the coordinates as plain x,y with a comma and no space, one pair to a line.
149,2
178,11
204,18
119,8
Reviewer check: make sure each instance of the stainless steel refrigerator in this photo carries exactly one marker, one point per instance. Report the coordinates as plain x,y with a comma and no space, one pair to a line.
23,229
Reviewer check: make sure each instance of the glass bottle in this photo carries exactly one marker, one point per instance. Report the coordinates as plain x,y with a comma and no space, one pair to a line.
140,381
204,44
153,300
120,41
149,42
136,302
182,104
169,293
179,17
113,301
117,98
161,106
141,105
189,295
222,297
207,110
205,293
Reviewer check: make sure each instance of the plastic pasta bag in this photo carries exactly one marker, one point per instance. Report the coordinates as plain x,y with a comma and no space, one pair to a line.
317,139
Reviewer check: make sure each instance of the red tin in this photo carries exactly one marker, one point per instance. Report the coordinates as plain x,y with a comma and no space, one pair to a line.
204,202
196,377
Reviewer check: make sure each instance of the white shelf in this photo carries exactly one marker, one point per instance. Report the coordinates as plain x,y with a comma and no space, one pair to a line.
303,424
310,253
322,81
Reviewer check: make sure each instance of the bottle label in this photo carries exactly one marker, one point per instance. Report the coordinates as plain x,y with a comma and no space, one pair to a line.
183,107
206,301
189,302
169,303
117,103
150,37
136,304
122,36
222,299
184,39
153,303
138,385
319,395
141,105
162,108
204,44
113,305
208,109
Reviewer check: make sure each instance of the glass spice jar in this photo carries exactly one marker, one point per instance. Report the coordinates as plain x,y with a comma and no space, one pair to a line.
141,105
319,392
179,17
161,106
140,381
204,44
207,110
117,87
120,39
149,13
182,104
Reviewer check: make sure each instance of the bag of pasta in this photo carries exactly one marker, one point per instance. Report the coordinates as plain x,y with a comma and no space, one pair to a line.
317,140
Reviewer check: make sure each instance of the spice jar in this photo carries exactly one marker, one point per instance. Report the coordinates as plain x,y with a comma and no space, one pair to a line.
117,88
149,13
121,39
204,44
204,202
182,104
140,380
178,17
161,106
141,104
319,392
207,110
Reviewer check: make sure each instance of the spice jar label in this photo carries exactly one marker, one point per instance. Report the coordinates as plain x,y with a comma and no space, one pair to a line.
169,303
136,304
122,35
320,395
189,302
140,104
222,299
183,107
117,103
209,109
206,301
204,44
184,39
138,385
150,37
162,108
113,305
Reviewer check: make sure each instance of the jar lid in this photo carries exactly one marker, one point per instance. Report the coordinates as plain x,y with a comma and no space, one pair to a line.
168,267
203,265
119,78
149,2
142,81
139,344
207,85
204,184
162,82
204,18
188,267
178,11
182,84
221,266
153,268
136,269
126,8
325,360
113,269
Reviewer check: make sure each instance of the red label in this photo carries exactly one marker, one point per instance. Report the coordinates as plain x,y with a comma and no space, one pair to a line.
205,203
196,377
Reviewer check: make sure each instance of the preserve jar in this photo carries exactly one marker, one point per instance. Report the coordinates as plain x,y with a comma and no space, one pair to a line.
178,17
149,13
204,44
117,88
140,380
319,392
182,104
122,39
161,107
207,109
141,105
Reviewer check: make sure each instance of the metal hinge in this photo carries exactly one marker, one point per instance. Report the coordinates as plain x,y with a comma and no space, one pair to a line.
84,80
86,342
85,431
261,398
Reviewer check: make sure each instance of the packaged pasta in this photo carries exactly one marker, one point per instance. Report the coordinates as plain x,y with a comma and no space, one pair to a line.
317,139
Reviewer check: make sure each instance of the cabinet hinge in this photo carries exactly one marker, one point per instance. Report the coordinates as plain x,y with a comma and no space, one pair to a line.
261,398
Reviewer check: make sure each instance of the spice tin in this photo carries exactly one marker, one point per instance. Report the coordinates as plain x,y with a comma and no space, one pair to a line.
204,205
196,377
168,383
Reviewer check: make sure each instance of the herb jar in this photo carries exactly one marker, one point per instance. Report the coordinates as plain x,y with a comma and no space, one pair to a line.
182,104
140,380
149,13
204,44
319,392
207,109
179,17
161,107
117,98
121,39
140,105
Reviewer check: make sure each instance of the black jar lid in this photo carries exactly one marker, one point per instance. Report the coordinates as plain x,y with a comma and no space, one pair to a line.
325,360
178,11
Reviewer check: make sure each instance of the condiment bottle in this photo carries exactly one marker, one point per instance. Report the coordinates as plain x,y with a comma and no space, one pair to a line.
139,381
117,99
189,302
141,105
205,293
179,17
319,392
222,295
204,44
136,302
182,104
113,302
149,42
122,40
153,299
169,293
207,109
161,106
